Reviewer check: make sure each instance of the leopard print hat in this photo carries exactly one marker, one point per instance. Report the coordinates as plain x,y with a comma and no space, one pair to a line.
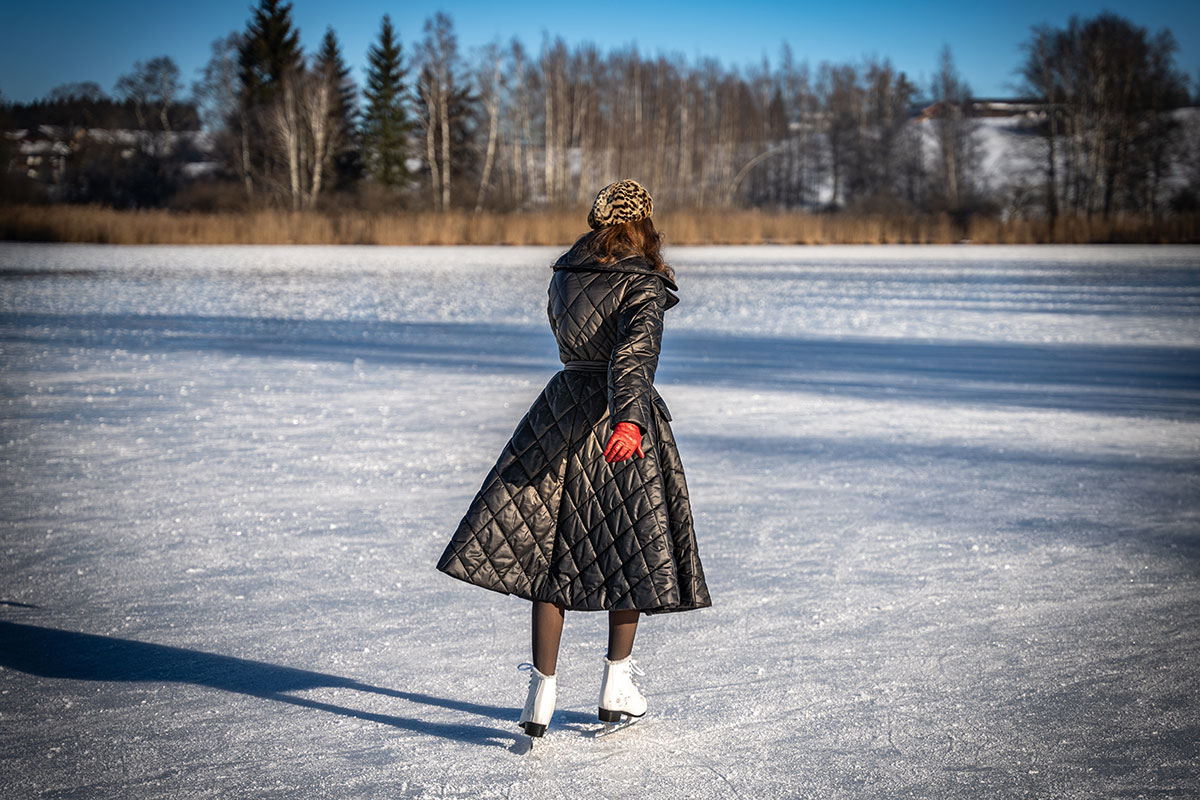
623,201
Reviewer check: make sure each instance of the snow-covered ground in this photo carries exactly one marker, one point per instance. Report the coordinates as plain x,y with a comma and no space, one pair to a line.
948,501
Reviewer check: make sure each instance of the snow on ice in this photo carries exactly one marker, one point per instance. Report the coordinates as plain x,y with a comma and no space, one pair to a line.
947,500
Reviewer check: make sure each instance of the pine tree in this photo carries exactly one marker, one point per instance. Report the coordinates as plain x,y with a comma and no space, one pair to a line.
385,124
269,49
347,161
268,52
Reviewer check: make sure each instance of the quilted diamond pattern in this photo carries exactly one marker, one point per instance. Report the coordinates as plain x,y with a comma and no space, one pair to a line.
553,521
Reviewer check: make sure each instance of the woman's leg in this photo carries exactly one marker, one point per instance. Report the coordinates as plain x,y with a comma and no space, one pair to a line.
547,632
622,625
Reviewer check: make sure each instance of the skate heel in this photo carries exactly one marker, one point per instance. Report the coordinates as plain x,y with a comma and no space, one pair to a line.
609,716
534,729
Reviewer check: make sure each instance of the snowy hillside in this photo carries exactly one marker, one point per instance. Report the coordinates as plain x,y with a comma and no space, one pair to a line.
1012,155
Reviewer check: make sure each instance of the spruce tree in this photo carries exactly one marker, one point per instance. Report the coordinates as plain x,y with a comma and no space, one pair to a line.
347,161
269,49
385,123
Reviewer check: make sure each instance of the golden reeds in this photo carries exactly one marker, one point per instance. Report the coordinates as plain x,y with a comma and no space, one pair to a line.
64,223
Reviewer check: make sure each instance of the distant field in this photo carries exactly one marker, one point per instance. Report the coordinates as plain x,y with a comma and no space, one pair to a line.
93,224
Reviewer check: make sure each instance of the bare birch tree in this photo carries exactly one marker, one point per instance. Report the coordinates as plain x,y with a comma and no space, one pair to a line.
444,105
490,88
304,133
954,133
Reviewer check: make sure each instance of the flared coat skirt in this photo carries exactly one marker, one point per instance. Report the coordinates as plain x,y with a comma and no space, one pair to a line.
554,521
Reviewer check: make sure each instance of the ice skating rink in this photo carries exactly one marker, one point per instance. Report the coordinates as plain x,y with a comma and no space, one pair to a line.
947,499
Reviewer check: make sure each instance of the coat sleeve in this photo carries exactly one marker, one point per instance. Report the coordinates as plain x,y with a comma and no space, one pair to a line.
635,358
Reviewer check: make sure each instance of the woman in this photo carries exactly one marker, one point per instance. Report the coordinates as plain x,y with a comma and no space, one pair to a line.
586,508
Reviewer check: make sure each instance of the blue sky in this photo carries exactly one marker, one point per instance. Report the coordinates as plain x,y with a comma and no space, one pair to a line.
44,44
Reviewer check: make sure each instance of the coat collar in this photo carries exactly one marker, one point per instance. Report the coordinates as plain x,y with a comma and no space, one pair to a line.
630,264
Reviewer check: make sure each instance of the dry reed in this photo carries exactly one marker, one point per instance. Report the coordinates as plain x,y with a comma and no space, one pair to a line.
63,223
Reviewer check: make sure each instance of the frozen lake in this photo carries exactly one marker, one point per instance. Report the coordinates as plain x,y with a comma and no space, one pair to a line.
947,498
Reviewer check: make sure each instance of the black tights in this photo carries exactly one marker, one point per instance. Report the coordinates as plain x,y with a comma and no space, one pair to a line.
547,633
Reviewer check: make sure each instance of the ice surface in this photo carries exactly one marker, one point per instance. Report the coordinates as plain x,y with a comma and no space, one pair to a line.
947,500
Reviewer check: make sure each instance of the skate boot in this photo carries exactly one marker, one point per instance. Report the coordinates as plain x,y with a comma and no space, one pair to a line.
618,695
539,703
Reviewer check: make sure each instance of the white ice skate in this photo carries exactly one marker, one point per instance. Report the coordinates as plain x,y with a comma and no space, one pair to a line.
618,696
539,703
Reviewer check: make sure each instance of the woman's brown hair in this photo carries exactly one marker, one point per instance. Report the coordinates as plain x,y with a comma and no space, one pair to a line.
622,240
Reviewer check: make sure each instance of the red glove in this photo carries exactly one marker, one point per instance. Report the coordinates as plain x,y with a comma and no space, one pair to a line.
624,442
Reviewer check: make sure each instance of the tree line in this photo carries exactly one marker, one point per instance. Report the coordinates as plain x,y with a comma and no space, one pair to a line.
504,128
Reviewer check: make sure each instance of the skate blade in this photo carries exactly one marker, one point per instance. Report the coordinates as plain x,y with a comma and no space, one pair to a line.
610,728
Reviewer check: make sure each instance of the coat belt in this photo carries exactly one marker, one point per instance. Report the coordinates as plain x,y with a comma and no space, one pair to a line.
586,366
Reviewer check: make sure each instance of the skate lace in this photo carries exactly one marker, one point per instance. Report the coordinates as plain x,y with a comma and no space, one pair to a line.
525,666
635,669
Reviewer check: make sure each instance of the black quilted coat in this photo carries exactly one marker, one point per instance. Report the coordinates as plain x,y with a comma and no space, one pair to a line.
554,521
